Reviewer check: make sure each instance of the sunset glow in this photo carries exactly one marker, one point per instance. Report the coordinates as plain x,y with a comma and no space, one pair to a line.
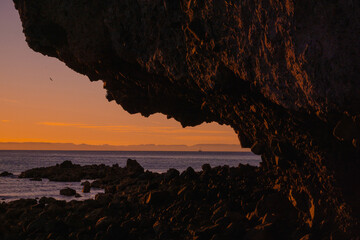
42,100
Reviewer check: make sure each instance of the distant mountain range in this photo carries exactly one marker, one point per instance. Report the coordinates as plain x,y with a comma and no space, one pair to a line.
145,147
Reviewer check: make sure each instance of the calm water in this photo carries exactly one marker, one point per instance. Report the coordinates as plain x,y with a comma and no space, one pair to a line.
12,188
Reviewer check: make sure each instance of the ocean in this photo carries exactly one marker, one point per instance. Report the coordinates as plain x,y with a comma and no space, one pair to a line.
13,188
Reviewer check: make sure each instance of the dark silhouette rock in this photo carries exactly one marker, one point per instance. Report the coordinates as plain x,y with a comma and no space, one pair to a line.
215,207
86,187
68,172
6,174
133,166
189,174
171,173
46,200
66,164
67,192
206,167
77,195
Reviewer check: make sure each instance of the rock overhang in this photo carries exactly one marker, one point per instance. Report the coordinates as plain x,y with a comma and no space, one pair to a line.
283,74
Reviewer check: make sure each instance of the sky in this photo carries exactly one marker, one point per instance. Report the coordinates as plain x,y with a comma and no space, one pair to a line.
71,109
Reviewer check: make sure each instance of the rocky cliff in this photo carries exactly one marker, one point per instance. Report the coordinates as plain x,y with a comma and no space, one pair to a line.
283,74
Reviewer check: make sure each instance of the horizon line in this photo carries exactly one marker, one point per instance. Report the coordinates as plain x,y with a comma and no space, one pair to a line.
143,144
108,147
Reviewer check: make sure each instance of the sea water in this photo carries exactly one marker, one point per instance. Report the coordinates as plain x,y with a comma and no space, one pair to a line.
12,188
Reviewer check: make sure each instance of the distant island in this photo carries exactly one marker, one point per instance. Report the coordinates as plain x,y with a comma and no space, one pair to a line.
105,147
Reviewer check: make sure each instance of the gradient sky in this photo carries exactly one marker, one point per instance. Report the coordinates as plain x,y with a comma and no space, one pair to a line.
71,108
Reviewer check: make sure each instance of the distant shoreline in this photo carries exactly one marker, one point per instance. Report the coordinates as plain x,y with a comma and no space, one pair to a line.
43,146
72,150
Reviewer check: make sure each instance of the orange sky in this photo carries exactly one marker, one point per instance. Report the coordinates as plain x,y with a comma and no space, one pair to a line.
71,108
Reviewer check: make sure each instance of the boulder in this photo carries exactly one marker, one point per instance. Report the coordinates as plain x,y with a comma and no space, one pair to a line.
66,164
67,192
133,166
170,174
189,174
206,167
86,187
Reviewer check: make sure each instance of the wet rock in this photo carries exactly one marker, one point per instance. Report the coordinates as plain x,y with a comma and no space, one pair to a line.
6,174
86,187
67,192
84,183
78,195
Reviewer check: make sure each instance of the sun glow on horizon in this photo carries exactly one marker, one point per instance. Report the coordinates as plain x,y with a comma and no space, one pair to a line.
68,108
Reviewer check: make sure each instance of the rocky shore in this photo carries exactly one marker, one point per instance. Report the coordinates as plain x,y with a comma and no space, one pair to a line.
283,74
215,203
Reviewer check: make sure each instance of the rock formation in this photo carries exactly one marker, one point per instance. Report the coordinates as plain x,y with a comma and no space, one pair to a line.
283,74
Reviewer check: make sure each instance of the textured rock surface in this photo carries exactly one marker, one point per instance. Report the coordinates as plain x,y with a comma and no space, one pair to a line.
224,203
283,74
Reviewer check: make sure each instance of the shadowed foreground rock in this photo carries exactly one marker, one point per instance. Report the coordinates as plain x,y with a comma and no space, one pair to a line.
215,203
283,74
